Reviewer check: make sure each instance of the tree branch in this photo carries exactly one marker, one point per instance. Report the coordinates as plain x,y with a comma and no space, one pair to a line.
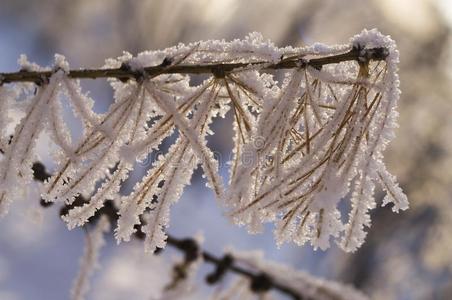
259,282
124,73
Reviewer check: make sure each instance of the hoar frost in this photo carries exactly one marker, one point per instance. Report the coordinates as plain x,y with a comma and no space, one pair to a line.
301,147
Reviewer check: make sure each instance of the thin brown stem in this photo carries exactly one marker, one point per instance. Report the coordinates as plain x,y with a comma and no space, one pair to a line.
377,54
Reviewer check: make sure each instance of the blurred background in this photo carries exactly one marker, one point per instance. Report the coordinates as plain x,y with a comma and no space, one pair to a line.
405,256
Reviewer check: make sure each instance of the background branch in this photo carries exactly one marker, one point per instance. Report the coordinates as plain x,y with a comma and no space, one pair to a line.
259,281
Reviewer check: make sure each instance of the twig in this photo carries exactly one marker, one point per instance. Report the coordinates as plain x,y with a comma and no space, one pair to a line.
124,73
260,281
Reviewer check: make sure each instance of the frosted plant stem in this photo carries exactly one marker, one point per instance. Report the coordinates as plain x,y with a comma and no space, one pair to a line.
121,73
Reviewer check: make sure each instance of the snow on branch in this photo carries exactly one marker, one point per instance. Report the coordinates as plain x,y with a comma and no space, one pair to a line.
301,146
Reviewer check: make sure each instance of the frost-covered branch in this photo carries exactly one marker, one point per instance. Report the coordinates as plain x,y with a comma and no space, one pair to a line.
301,146
219,69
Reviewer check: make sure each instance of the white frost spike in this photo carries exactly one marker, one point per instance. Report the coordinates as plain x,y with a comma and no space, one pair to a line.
176,179
79,215
81,104
359,218
271,127
15,167
162,128
324,203
59,130
94,241
210,165
393,191
133,205
104,156
328,225
175,169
